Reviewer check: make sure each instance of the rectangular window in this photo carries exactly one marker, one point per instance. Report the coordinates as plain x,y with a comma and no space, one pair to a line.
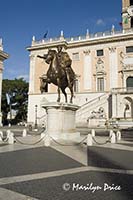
129,49
75,56
100,52
131,2
100,84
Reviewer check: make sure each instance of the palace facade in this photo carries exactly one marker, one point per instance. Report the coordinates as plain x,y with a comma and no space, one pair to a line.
103,63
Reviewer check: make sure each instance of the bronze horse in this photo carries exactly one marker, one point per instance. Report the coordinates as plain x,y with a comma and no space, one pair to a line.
57,75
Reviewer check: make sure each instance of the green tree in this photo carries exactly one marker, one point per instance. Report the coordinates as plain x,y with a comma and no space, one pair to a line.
14,97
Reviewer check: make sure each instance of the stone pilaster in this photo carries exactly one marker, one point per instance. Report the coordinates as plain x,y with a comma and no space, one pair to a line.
113,65
87,70
114,105
32,73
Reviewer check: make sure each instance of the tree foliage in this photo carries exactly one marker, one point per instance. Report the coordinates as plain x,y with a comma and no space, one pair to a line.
14,97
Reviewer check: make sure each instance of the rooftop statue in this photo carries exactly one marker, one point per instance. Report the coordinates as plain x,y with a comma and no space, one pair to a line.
60,72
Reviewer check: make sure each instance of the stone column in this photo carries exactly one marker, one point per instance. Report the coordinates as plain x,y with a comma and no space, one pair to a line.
87,70
1,72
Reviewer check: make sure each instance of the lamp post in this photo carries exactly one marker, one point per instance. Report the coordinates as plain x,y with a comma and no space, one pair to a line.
36,118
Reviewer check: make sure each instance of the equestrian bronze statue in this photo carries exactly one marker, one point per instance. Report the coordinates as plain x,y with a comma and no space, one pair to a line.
60,72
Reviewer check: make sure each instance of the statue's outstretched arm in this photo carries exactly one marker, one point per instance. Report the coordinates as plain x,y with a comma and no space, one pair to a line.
43,57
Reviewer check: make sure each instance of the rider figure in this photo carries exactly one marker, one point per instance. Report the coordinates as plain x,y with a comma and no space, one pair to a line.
65,62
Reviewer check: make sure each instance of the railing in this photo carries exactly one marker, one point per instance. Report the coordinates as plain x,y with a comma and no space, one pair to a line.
86,109
94,100
124,89
83,37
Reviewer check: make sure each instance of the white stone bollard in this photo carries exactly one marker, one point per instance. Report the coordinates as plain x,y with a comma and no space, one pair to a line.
11,138
113,138
110,133
8,133
24,134
118,135
25,125
93,132
1,135
47,141
89,140
9,125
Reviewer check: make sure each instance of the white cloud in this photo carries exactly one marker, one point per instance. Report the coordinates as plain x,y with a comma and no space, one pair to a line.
112,19
24,76
100,22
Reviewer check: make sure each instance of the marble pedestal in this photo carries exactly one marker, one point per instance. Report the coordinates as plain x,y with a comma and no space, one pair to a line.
61,121
0,119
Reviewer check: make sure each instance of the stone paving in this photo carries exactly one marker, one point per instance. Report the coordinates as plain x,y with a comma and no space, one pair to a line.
110,158
64,187
32,172
34,160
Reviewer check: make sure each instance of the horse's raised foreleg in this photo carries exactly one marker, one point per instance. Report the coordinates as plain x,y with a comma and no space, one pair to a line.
43,85
58,100
68,78
64,92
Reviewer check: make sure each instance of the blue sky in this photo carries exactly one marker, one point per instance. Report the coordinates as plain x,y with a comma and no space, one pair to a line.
21,19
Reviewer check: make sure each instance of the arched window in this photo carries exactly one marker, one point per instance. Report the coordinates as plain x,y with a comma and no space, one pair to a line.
128,109
129,83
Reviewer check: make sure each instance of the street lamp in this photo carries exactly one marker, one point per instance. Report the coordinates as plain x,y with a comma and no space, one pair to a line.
36,118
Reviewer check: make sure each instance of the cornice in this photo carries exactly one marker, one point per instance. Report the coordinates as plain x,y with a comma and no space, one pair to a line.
85,42
97,41
47,45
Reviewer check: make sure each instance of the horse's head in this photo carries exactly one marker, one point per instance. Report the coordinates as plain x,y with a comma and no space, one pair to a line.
50,56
